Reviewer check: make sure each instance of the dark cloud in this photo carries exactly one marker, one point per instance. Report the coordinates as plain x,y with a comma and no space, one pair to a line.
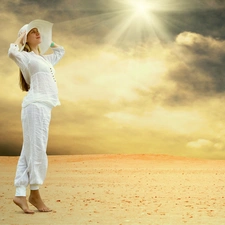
205,56
11,131
215,4
196,72
97,18
56,10
208,22
9,149
41,3
201,73
110,112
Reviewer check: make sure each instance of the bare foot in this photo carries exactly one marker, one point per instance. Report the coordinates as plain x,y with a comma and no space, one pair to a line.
21,201
35,200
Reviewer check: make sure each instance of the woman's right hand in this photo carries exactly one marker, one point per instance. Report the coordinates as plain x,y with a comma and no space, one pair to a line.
19,40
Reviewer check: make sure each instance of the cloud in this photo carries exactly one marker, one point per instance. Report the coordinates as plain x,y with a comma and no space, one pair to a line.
161,96
210,149
200,143
215,4
161,119
121,101
198,71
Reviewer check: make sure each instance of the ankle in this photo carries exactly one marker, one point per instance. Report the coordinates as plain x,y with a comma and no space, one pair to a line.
35,194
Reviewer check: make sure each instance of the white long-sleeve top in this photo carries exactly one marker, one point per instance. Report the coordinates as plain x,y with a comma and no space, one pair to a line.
39,73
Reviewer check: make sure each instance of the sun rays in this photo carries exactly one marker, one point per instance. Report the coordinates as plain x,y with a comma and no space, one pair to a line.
131,22
140,21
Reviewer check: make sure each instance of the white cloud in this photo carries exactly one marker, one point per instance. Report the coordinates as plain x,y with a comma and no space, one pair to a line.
108,76
200,143
161,119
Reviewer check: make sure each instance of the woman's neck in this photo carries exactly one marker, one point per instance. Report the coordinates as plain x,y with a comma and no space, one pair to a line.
35,50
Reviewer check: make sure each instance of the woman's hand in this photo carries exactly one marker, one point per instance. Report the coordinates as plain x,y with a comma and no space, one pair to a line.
19,40
54,45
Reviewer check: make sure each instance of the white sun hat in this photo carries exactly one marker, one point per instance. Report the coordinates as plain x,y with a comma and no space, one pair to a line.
45,29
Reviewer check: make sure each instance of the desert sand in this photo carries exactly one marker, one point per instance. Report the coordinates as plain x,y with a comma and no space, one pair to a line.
122,190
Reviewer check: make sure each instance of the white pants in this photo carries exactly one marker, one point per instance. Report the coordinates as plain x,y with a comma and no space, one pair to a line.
33,161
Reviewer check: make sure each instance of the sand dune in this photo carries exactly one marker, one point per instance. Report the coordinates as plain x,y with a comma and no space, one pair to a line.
122,190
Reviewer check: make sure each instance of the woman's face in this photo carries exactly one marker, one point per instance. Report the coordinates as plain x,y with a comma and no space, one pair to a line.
34,37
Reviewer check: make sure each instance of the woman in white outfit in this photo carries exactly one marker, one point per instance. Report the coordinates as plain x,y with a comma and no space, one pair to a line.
37,78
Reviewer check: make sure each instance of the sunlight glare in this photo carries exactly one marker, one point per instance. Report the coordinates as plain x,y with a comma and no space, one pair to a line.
140,21
141,7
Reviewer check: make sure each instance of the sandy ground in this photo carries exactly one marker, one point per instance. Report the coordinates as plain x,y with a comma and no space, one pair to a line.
122,190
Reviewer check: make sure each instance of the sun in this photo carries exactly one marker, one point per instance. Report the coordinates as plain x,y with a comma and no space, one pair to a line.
141,8
134,22
129,23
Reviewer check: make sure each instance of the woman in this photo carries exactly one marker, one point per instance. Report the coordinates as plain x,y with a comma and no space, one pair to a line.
37,78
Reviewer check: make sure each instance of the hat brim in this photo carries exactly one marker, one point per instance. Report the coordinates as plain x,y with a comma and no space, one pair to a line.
45,29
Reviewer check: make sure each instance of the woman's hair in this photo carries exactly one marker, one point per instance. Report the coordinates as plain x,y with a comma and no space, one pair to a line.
23,84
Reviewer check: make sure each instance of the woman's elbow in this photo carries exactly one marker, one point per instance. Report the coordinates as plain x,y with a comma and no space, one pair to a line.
10,54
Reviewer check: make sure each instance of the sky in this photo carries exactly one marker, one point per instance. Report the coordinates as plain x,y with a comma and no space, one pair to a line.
138,77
